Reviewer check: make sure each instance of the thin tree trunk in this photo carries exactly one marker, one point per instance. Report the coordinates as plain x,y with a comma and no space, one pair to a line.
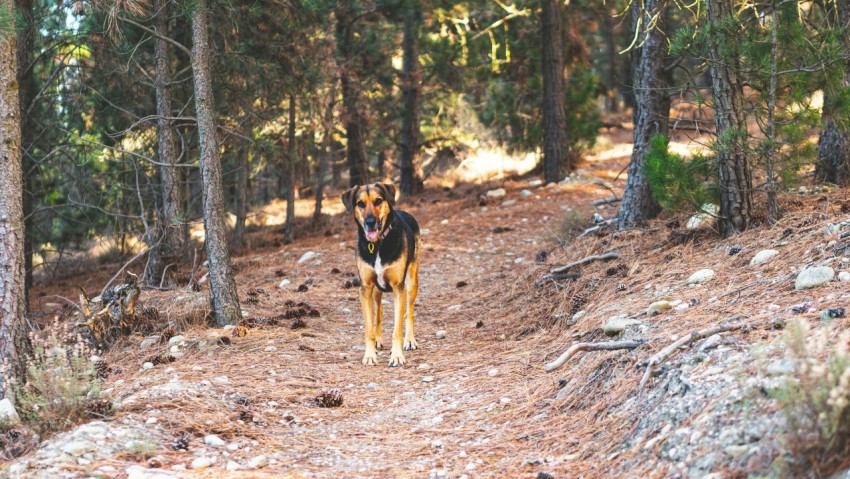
326,155
14,342
409,182
26,94
167,245
772,207
242,189
611,104
730,123
355,121
288,229
651,112
833,164
554,120
224,297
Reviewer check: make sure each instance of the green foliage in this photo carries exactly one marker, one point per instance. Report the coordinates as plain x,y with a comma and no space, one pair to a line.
677,183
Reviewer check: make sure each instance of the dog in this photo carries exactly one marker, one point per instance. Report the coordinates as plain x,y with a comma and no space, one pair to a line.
389,249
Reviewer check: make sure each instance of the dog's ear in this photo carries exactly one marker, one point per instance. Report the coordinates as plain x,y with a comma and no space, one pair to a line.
389,192
348,198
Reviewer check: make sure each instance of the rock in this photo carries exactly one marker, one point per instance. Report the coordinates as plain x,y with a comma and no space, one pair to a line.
710,343
232,466
283,283
214,441
258,462
780,367
176,340
270,349
441,333
78,448
525,193
372,386
444,222
844,276
147,365
701,276
763,256
149,341
812,277
427,379
497,193
706,218
424,366
510,202
578,316
8,413
535,183
307,257
658,306
618,324
493,372
201,463
832,313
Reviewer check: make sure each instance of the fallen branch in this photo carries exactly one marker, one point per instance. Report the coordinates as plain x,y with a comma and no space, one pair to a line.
665,353
556,277
583,261
606,201
603,346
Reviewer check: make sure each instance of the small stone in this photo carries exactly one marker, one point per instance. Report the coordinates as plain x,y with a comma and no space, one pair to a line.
8,413
258,462
493,372
372,386
812,277
78,448
578,316
525,193
147,365
428,379
270,349
444,222
618,324
283,283
233,447
763,256
505,400
658,306
497,193
151,420
510,202
214,441
232,466
176,340
149,341
844,276
307,257
734,249
201,463
424,366
470,466
436,444
535,183
701,276
441,333
707,217
832,313
710,343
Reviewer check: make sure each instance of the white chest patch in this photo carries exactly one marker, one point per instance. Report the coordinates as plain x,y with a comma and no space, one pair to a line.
379,271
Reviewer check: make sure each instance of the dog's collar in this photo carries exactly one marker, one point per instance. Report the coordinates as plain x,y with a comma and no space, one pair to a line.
371,245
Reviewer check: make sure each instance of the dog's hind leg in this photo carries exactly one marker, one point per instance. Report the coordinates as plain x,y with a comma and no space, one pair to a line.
379,313
412,285
370,357
397,354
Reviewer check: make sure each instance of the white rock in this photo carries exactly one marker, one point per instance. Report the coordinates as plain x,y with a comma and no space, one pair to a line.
658,307
525,193
221,379
701,276
214,441
535,183
78,448
682,307
307,257
424,366
233,447
151,420
258,462
444,222
270,349
844,276
8,413
147,365
497,193
510,202
232,466
763,256
493,372
149,341
427,379
707,217
176,340
578,315
441,333
811,277
618,324
283,283
201,463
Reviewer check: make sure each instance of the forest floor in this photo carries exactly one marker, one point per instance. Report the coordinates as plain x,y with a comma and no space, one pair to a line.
476,402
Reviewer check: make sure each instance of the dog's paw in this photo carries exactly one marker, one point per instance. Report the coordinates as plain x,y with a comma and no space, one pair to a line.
396,360
370,359
410,344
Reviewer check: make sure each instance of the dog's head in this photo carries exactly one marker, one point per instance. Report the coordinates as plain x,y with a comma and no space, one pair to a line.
371,206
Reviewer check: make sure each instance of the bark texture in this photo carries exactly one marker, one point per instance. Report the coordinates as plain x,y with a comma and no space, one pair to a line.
224,297
651,112
554,120
327,154
241,206
833,164
355,119
410,182
167,245
729,121
26,93
289,228
13,322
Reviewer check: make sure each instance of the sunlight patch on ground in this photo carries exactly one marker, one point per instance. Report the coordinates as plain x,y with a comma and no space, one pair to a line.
492,163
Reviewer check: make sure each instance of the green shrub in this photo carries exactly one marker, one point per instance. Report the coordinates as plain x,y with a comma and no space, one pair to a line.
677,183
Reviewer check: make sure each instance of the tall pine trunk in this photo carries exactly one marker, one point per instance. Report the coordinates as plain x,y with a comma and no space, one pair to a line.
241,206
14,341
224,297
326,156
612,84
729,122
291,152
26,94
651,112
167,245
554,120
409,183
355,121
833,164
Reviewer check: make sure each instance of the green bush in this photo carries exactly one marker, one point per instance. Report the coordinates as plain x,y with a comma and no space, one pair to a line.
678,183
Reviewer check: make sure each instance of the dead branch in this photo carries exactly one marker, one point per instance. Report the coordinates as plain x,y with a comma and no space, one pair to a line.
665,353
603,346
556,277
584,261
606,201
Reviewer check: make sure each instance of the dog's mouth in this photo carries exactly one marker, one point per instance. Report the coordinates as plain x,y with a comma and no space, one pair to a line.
372,234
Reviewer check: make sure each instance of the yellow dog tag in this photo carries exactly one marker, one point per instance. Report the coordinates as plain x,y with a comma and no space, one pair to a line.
371,247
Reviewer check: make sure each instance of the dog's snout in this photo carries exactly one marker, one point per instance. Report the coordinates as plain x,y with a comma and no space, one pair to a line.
370,222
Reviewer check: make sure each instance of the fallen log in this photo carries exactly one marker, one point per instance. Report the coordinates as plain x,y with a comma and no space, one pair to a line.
584,261
603,346
606,201
557,277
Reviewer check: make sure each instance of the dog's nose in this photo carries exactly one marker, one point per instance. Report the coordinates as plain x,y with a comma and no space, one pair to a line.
370,222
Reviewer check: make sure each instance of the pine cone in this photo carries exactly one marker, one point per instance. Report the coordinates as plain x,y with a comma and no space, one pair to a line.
329,398
99,408
148,314
181,442
299,324
102,369
166,334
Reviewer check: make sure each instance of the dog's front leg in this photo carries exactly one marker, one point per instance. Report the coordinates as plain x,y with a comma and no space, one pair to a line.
400,300
370,357
379,313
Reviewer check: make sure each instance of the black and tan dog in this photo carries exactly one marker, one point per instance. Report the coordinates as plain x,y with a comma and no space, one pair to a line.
388,253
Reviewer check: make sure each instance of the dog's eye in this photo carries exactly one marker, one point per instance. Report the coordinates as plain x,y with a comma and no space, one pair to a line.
361,204
378,201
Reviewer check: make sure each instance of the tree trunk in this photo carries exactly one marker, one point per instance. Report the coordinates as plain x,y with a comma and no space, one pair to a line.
833,164
554,120
730,123
651,112
224,297
612,85
291,152
770,158
167,243
26,94
355,121
14,341
326,156
242,188
409,182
